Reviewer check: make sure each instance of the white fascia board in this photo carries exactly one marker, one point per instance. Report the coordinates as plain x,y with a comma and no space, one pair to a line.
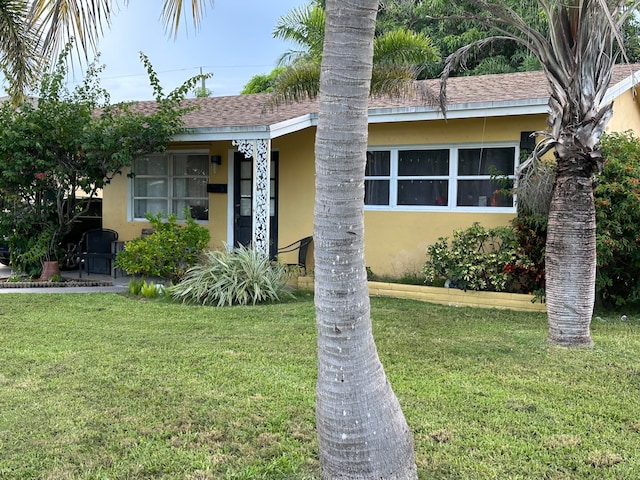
466,110
210,134
620,87
293,125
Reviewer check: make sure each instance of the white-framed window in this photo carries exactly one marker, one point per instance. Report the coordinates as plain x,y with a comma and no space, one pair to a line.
441,177
171,183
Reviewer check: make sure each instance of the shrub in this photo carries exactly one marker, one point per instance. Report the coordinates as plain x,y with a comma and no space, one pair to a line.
618,221
238,277
168,252
530,230
477,259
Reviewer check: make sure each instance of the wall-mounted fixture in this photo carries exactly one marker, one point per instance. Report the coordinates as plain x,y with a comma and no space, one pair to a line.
217,188
216,161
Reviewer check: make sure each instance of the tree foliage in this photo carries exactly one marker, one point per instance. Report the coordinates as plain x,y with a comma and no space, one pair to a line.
399,56
448,26
262,83
63,147
442,21
618,220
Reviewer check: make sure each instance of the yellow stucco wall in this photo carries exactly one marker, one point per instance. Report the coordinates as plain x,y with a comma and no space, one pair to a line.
396,241
472,130
626,114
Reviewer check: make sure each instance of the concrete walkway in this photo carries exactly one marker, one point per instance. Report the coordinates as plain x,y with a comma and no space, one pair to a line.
118,285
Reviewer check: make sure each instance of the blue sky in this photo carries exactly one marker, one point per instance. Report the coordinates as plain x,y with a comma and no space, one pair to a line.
234,43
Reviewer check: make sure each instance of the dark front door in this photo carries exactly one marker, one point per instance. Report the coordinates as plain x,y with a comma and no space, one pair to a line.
243,201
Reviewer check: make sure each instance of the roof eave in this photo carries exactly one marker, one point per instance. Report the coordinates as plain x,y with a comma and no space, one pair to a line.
531,106
462,110
619,88
247,132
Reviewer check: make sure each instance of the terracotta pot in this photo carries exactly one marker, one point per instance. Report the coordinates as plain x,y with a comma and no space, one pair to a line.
49,269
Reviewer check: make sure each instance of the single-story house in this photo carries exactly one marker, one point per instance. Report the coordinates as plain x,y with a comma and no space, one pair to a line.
245,170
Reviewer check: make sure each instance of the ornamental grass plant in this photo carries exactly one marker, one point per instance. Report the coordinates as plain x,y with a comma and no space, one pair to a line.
240,276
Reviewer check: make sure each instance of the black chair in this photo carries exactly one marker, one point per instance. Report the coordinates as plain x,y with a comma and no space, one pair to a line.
302,246
96,252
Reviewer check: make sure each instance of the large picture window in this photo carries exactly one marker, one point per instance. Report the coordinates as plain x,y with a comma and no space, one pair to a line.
440,178
171,183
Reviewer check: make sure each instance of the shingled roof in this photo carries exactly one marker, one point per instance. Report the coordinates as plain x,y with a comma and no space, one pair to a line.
467,96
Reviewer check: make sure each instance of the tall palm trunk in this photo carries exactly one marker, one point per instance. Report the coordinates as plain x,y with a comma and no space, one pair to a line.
577,55
571,254
362,432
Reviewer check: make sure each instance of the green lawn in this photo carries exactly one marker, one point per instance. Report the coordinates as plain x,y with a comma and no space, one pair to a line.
100,386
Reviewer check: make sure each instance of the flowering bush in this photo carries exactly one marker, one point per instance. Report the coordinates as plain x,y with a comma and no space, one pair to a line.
477,259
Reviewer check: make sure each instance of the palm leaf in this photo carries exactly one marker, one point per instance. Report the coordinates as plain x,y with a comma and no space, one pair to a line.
62,20
172,13
404,47
305,27
19,59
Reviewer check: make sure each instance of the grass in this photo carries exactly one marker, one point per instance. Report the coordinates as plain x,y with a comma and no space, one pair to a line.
102,386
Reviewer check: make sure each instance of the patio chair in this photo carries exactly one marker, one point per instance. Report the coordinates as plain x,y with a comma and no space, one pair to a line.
96,251
302,246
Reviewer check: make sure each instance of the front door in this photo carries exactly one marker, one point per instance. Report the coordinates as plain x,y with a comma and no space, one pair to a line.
243,202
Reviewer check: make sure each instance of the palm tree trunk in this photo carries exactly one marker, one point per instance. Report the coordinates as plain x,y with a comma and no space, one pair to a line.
571,254
362,432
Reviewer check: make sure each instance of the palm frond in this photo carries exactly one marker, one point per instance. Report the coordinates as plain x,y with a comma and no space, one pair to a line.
297,82
305,27
292,56
60,21
172,14
458,59
20,59
396,80
404,46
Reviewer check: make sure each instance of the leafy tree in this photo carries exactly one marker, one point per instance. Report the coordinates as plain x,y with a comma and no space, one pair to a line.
440,21
61,149
362,432
262,83
433,19
577,51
